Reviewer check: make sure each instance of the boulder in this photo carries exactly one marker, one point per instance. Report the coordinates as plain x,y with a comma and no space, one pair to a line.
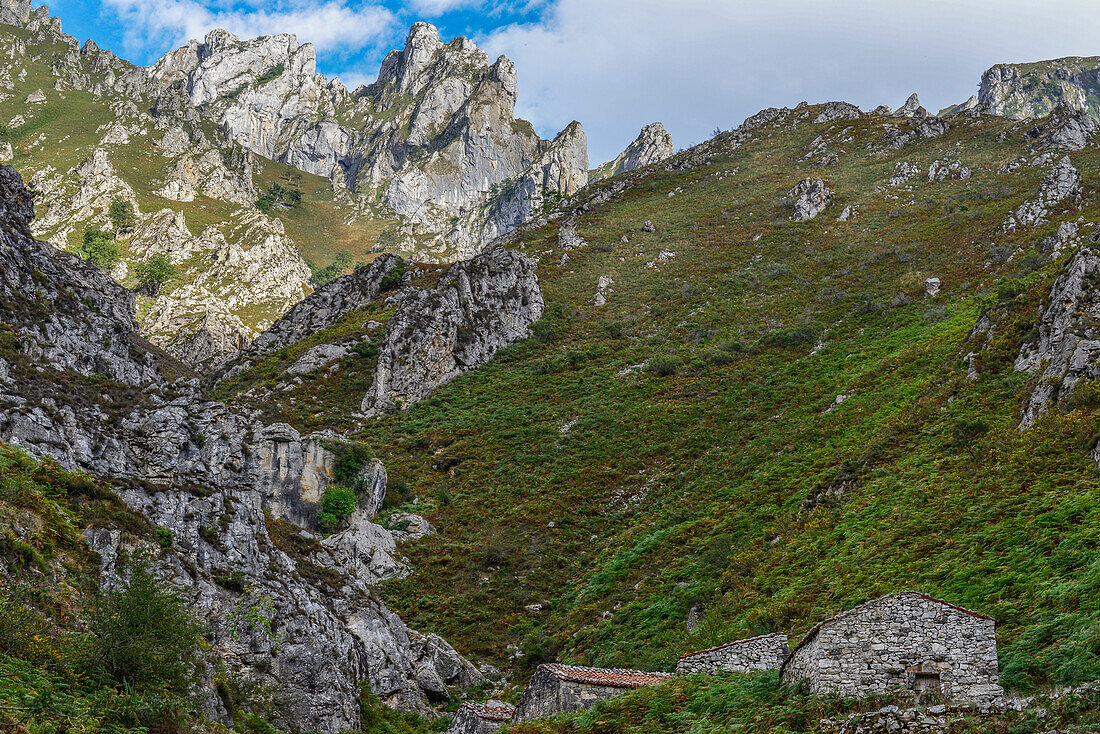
811,197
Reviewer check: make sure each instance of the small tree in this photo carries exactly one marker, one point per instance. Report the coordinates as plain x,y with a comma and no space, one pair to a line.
336,505
152,273
145,637
99,248
123,217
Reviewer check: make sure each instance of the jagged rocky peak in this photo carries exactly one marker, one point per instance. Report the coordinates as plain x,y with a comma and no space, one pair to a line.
15,12
652,145
1021,91
434,138
911,108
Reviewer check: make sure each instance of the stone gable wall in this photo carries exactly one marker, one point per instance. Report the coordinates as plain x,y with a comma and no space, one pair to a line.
547,695
759,653
887,643
466,721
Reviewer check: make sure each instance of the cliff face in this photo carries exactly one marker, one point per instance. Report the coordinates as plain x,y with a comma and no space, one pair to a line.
1021,91
435,137
238,497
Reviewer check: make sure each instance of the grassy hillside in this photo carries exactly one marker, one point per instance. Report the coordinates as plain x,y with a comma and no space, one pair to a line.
770,425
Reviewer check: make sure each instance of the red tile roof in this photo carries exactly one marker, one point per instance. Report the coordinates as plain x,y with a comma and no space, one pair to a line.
729,644
605,677
493,711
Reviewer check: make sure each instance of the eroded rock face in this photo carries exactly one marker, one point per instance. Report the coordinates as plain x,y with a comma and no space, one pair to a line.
238,497
1033,90
911,108
1065,128
1062,183
1068,346
71,315
811,197
318,311
435,136
478,307
652,145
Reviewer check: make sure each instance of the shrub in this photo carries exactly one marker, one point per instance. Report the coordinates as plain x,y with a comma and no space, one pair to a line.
327,274
392,279
336,505
664,365
99,248
350,459
164,537
271,74
144,636
152,273
789,337
122,216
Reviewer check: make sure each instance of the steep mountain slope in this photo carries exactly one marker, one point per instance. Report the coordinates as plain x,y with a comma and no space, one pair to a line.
1020,91
224,504
750,422
434,138
428,161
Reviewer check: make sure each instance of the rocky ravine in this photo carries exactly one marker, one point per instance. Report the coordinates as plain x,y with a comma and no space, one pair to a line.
217,480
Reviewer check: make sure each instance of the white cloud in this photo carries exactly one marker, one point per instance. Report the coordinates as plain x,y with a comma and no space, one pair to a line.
616,65
435,8
331,25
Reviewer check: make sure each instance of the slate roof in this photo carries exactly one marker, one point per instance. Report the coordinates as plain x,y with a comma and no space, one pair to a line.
729,644
604,676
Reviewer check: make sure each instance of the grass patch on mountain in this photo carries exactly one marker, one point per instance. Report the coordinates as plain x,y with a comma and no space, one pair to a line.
618,480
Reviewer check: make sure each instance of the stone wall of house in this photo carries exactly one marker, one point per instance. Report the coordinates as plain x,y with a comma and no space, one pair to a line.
547,695
467,720
907,641
767,652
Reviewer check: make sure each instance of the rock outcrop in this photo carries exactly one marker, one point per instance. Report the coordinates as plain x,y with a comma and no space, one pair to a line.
318,311
435,136
1060,184
236,498
1067,349
70,315
1021,91
652,145
1065,128
477,308
811,197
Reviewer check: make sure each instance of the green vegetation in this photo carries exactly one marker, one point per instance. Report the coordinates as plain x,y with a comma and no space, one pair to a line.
99,248
153,273
122,217
271,74
279,197
337,504
327,274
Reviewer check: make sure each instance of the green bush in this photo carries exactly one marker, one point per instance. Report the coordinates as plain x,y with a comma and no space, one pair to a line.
164,537
122,217
99,248
392,279
664,365
350,459
336,505
144,637
152,274
325,275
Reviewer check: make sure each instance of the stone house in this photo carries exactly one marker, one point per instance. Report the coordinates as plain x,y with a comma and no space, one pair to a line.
907,640
556,688
766,652
480,718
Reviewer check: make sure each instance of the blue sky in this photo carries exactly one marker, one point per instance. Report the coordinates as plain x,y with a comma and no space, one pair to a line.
617,65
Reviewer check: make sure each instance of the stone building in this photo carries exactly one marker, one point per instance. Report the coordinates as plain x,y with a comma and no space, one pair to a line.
556,688
480,718
766,652
906,641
